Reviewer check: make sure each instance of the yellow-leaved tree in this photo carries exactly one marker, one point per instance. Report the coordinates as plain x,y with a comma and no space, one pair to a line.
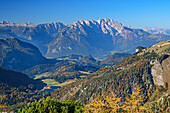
133,104
104,104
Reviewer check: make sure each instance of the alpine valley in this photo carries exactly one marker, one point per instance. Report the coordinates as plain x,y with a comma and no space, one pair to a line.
83,61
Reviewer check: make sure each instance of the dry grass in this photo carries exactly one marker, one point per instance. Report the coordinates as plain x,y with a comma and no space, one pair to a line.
157,48
50,82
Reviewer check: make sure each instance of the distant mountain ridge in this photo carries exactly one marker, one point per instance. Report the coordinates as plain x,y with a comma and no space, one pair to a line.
5,23
100,38
156,30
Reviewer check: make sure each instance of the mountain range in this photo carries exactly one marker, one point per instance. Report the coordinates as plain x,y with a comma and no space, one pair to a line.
99,38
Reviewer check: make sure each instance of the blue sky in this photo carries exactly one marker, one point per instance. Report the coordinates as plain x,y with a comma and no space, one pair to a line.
136,13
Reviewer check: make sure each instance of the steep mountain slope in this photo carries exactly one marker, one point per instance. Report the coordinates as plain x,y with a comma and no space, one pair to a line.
17,79
17,89
39,35
156,30
100,38
135,71
18,55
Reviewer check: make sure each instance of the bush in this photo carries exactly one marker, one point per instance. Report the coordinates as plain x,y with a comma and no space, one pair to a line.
49,105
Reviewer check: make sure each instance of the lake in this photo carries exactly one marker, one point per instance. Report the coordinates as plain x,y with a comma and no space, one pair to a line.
51,89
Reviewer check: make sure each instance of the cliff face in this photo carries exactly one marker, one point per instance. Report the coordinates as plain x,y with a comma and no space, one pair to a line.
161,72
166,71
157,73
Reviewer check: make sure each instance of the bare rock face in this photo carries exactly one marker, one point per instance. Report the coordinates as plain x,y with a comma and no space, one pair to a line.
161,69
157,73
161,72
166,71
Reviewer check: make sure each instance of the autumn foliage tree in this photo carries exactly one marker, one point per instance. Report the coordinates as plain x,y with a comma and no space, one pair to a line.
133,104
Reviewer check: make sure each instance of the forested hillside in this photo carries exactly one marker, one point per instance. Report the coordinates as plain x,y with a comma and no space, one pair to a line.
17,79
134,71
17,89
